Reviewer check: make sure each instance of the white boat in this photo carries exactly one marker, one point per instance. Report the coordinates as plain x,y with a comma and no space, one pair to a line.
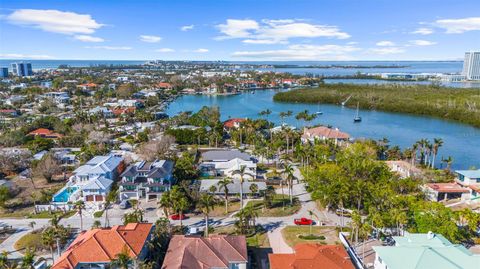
319,112
357,117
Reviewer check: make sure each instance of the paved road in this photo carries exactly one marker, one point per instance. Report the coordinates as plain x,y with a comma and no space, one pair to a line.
273,224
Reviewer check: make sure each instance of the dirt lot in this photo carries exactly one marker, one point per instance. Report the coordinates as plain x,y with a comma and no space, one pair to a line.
25,192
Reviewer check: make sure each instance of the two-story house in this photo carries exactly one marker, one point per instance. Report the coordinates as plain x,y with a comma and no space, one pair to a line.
471,180
96,248
226,163
146,180
92,181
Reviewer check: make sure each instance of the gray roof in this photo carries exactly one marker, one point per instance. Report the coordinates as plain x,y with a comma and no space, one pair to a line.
157,169
233,188
224,155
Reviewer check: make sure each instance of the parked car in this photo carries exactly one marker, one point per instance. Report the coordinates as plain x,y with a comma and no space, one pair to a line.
124,204
303,221
344,212
178,217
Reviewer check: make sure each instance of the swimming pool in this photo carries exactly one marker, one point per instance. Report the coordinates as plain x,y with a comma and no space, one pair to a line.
63,195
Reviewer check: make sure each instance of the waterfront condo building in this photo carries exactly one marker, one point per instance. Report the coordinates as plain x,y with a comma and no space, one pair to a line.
471,65
22,69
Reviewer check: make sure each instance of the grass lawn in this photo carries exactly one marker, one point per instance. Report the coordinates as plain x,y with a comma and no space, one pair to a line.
260,239
291,235
30,240
49,215
276,209
219,209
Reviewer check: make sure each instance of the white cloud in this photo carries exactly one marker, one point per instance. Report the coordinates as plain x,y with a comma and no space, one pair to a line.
88,38
385,43
301,52
276,31
54,21
458,26
110,47
386,50
187,27
423,31
25,56
237,28
165,50
422,42
201,50
150,38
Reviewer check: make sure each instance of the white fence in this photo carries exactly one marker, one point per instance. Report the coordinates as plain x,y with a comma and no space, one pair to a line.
54,207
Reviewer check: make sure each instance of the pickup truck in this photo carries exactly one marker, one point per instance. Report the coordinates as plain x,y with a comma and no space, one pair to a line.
303,221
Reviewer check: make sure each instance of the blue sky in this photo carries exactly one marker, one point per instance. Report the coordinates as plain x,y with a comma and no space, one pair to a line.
239,29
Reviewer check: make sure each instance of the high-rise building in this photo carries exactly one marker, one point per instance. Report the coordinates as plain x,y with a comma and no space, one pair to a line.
3,72
471,65
22,69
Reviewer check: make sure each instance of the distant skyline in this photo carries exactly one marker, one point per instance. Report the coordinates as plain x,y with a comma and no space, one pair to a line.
239,30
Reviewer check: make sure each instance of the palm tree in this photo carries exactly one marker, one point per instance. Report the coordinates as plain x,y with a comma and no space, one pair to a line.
54,221
448,161
111,198
80,206
181,204
253,188
288,171
48,239
166,203
437,143
122,260
96,224
206,203
224,184
241,172
28,259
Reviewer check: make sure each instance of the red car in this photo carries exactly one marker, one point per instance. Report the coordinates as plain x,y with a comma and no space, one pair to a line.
178,217
303,221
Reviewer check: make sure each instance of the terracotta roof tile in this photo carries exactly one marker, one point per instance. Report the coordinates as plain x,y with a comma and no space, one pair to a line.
102,245
312,256
196,252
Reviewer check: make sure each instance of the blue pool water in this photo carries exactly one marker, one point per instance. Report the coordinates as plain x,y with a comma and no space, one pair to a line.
62,197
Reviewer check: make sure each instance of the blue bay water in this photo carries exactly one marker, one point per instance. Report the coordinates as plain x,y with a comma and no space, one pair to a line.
460,141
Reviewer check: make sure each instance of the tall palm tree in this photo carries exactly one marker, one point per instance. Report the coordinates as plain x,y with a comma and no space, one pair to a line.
80,206
241,172
437,143
289,177
166,203
122,260
206,203
111,198
54,221
181,204
48,239
224,184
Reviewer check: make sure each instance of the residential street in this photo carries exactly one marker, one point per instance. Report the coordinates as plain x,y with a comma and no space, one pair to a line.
274,225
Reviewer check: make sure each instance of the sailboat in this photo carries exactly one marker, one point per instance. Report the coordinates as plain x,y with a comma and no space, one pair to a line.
357,117
319,112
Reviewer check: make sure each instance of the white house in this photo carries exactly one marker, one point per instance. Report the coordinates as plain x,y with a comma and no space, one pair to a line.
471,180
227,162
92,181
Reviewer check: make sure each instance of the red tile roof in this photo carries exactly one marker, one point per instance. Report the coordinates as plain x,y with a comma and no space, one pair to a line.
121,111
309,256
88,85
447,187
230,123
196,252
164,85
43,132
325,132
103,245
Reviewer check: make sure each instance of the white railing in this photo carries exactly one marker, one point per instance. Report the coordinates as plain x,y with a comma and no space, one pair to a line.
351,251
